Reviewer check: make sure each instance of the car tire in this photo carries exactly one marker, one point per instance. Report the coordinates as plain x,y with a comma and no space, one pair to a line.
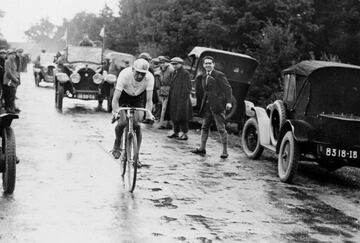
288,158
251,140
59,96
277,119
233,109
9,151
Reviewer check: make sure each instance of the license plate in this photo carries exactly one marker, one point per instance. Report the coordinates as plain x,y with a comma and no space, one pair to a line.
338,152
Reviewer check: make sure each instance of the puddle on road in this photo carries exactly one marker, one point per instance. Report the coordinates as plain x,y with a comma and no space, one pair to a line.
164,202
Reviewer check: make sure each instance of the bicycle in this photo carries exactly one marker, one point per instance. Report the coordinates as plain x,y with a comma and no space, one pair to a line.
130,155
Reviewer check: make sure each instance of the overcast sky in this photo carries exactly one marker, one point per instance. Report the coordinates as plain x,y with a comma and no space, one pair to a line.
20,14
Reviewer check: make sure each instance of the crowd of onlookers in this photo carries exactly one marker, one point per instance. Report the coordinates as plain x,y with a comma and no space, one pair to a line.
12,63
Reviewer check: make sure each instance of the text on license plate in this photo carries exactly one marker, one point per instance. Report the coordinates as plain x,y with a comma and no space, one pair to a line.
86,96
338,153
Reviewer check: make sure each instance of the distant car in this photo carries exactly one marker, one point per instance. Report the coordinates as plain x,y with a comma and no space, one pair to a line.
44,69
81,76
317,120
239,70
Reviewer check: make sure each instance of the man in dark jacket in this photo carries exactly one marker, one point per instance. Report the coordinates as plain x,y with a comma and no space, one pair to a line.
179,107
2,71
216,100
11,81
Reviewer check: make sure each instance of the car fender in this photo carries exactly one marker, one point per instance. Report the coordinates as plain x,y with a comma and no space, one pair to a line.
264,125
301,130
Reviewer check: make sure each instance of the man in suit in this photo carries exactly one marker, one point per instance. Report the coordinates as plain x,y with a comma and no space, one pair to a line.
216,100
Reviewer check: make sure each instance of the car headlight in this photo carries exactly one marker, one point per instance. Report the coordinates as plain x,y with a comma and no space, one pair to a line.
110,78
98,78
75,78
62,77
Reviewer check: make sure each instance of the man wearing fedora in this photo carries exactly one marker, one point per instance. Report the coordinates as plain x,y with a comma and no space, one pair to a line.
179,106
11,81
216,100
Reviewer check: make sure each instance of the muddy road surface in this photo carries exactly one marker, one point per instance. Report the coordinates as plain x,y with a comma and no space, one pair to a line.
69,187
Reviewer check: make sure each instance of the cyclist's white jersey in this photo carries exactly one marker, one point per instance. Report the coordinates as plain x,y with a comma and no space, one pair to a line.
127,83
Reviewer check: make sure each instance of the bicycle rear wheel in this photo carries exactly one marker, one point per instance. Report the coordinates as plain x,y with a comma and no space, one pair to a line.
132,155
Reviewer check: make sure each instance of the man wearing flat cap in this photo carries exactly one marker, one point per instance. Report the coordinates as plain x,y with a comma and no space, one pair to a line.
166,72
179,108
11,81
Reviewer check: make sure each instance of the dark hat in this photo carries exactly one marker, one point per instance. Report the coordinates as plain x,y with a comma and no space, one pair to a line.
2,51
176,60
145,56
19,50
11,51
163,59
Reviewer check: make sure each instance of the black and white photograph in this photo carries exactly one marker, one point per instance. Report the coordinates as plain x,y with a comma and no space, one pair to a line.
194,121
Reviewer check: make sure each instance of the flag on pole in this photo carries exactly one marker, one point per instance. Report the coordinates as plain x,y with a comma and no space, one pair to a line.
102,32
65,36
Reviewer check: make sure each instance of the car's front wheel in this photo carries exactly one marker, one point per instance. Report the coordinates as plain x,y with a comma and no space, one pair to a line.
289,156
250,139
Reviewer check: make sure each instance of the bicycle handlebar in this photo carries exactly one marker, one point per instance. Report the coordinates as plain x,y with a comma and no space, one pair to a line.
117,114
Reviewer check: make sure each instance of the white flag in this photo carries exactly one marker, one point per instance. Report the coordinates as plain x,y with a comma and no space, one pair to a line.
102,32
64,37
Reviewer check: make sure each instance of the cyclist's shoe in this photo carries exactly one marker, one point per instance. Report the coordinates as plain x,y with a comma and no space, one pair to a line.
224,155
116,153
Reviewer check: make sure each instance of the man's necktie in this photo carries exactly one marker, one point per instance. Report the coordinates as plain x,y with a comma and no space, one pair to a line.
207,77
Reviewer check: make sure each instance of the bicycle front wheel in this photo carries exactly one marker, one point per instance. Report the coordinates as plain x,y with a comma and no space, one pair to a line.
132,155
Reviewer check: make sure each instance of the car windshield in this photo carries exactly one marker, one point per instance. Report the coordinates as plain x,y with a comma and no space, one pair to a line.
84,54
335,91
47,59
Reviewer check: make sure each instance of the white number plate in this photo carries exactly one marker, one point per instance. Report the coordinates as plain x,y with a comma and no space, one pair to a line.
338,153
86,96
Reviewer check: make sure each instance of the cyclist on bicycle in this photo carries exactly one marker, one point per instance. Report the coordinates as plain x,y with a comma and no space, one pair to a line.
131,84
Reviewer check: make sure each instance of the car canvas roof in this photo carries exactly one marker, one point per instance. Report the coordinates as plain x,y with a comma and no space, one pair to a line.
198,50
305,68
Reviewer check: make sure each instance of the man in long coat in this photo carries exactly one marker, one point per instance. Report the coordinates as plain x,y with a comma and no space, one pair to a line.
179,108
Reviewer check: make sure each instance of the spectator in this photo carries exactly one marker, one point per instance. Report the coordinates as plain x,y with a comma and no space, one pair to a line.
86,41
2,71
179,107
216,100
166,71
11,81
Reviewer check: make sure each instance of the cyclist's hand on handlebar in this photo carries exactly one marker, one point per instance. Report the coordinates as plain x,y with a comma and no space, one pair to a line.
115,116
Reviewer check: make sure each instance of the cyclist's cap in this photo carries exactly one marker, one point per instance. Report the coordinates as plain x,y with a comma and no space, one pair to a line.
2,51
141,65
163,59
176,60
20,50
145,56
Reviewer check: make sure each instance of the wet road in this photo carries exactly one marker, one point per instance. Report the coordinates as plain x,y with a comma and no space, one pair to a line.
69,188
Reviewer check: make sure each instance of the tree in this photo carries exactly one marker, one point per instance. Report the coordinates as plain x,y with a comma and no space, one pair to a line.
43,31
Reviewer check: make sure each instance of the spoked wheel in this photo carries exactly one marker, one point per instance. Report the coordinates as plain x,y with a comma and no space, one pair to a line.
289,155
9,151
132,155
250,139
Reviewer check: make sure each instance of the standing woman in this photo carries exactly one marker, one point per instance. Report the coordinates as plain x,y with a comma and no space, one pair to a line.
180,109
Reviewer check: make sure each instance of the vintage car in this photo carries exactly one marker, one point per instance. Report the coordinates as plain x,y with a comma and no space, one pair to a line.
81,76
317,120
44,68
239,70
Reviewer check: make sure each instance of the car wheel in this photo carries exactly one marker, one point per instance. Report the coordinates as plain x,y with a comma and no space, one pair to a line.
9,150
277,119
250,139
289,156
233,109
